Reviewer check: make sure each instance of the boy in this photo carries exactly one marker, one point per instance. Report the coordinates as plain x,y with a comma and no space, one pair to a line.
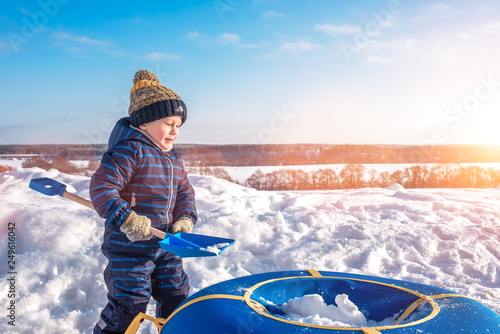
141,182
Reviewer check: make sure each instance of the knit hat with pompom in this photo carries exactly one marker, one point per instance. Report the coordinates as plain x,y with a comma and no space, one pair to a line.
150,101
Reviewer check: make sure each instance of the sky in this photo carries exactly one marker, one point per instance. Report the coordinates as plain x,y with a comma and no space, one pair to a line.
399,72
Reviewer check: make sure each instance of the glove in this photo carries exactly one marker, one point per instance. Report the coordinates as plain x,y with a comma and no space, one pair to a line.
182,225
136,227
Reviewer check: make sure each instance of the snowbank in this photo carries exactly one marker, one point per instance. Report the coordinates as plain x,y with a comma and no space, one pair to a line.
442,237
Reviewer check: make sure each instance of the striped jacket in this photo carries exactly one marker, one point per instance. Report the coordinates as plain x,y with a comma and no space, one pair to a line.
136,174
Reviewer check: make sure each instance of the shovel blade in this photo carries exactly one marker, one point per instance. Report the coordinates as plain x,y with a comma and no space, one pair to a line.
194,245
47,186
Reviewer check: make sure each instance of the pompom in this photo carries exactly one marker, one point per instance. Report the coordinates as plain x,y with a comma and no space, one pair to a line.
145,75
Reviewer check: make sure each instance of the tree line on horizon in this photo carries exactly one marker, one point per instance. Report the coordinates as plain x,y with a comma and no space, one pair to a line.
61,164
358,176
312,154
286,154
351,176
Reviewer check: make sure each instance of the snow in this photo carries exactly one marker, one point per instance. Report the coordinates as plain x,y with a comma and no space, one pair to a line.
443,237
13,162
312,309
216,249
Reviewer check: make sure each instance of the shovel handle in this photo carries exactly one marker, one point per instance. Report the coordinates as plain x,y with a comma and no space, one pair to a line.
51,187
88,204
78,199
157,233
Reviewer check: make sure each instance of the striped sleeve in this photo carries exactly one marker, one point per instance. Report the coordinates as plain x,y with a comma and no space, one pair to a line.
115,172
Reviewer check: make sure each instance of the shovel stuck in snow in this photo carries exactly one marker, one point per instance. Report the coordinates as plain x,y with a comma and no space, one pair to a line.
181,244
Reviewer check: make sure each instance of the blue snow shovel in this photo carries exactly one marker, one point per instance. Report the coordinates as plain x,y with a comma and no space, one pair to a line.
181,244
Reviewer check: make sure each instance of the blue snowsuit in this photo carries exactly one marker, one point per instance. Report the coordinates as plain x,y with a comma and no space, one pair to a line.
136,174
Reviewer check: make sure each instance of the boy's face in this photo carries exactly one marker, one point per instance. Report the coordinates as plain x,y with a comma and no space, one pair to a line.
164,131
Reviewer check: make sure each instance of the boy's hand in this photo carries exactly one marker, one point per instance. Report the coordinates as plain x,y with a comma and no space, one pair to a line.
182,225
136,227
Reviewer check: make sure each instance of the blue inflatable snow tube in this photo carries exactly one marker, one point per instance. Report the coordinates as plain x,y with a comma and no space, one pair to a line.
248,305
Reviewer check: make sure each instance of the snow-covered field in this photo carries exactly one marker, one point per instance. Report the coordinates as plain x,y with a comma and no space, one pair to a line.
443,237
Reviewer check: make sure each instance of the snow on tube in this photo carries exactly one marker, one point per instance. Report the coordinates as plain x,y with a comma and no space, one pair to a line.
249,305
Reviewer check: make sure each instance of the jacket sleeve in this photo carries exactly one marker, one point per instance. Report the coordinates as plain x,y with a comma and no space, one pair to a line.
185,204
114,173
